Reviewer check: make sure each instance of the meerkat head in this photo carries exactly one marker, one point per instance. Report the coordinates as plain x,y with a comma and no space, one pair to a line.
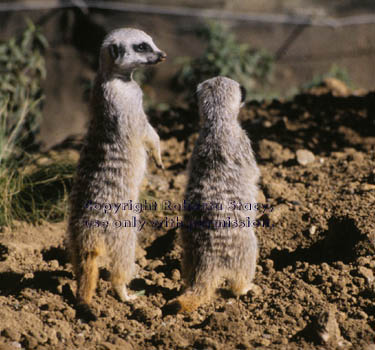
125,49
220,97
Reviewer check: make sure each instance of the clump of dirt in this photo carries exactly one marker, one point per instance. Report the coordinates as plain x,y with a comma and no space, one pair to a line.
316,255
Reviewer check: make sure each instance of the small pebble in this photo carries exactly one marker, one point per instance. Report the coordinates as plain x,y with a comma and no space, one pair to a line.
305,157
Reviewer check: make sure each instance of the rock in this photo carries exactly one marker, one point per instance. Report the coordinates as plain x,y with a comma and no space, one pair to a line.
366,273
255,290
367,187
142,262
54,264
261,197
270,150
12,334
294,310
279,189
327,330
146,315
312,230
175,275
278,212
179,181
110,346
154,264
207,344
337,87
304,157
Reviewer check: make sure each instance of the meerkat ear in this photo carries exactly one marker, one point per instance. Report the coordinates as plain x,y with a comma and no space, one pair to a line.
243,94
116,51
113,51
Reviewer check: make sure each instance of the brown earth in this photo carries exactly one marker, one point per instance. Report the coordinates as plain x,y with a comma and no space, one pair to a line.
315,272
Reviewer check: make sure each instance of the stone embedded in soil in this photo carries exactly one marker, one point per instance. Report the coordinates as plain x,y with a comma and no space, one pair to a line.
11,334
176,275
278,189
154,264
304,157
366,273
278,213
207,344
367,187
110,346
270,150
268,266
145,315
255,290
142,262
294,310
325,329
337,87
261,197
179,181
312,230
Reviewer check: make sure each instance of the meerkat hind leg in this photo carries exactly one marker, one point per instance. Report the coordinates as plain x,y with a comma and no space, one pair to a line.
198,293
240,285
119,280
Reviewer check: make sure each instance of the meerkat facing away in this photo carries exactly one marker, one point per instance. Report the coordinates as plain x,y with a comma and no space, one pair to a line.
222,169
112,165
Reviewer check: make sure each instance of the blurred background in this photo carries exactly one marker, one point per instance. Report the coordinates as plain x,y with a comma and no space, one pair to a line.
276,48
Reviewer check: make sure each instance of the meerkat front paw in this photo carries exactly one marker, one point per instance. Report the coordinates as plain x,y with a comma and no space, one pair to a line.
153,145
159,162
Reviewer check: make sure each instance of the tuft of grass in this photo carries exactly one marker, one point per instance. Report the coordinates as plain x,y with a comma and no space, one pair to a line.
28,191
40,193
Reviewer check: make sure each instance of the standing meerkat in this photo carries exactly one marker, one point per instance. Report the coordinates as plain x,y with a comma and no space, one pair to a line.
222,170
112,165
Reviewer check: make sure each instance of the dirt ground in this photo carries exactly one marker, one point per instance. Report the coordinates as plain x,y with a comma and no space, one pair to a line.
315,285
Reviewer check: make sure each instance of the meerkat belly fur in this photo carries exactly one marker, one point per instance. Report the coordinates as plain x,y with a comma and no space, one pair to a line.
112,163
222,169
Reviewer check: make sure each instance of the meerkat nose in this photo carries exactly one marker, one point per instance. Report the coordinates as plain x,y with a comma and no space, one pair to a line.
162,56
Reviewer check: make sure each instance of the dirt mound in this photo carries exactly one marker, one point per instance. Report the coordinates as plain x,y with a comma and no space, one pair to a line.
315,274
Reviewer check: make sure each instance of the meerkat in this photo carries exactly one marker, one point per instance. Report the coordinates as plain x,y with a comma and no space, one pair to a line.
112,165
222,169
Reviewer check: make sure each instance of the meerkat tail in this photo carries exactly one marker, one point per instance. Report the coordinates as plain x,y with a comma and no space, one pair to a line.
88,277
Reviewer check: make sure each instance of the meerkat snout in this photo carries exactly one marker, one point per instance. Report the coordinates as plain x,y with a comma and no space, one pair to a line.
127,49
162,56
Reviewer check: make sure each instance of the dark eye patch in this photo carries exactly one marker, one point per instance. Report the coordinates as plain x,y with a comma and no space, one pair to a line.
243,93
143,47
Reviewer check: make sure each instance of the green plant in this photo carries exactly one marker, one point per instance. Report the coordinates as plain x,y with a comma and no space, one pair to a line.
334,72
28,191
224,56
22,68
